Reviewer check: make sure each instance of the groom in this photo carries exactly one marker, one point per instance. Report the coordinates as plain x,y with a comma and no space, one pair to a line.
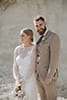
48,50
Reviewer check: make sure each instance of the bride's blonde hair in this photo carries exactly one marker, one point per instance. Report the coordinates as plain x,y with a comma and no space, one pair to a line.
28,32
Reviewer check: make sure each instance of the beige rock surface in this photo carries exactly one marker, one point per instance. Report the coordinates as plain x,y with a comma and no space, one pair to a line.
20,15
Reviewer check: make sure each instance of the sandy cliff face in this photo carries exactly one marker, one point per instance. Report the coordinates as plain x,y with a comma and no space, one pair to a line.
20,15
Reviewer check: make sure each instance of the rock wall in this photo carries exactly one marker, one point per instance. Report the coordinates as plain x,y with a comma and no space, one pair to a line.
20,14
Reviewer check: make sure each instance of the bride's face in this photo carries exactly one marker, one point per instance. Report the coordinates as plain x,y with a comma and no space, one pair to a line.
24,38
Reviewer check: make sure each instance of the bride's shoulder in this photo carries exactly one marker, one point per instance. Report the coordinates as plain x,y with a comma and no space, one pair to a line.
17,48
34,46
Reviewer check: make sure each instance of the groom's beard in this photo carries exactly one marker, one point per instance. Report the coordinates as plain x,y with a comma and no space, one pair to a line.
41,31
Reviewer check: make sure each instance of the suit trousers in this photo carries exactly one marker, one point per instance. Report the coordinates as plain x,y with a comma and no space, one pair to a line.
41,90
47,92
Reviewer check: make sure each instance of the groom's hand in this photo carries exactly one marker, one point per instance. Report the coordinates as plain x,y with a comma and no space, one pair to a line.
48,81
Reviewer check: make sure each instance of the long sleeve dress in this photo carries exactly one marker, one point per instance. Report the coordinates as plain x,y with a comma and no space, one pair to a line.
24,67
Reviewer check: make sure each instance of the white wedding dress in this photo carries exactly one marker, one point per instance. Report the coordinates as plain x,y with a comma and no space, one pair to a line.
24,67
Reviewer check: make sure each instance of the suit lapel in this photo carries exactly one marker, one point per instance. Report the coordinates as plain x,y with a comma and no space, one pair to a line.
47,35
42,38
45,38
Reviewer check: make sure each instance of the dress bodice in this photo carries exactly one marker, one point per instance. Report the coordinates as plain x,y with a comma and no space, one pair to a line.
25,60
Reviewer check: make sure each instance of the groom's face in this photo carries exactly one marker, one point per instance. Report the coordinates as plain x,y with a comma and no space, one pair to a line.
40,26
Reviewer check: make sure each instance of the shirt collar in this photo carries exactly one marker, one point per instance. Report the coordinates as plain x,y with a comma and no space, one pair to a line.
45,32
44,35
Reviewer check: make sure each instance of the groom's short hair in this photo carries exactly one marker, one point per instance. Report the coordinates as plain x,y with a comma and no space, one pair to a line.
39,18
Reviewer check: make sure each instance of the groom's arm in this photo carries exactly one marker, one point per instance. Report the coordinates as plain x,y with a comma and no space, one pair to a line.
54,58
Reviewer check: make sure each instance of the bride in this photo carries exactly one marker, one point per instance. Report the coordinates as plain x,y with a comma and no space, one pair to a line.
24,64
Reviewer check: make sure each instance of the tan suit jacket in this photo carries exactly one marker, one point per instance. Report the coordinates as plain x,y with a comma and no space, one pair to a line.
48,49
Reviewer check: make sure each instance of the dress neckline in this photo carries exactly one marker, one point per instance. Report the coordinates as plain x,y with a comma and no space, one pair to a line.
26,47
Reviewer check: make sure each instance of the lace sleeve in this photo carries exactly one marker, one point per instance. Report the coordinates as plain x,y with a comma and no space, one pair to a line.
15,66
33,61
